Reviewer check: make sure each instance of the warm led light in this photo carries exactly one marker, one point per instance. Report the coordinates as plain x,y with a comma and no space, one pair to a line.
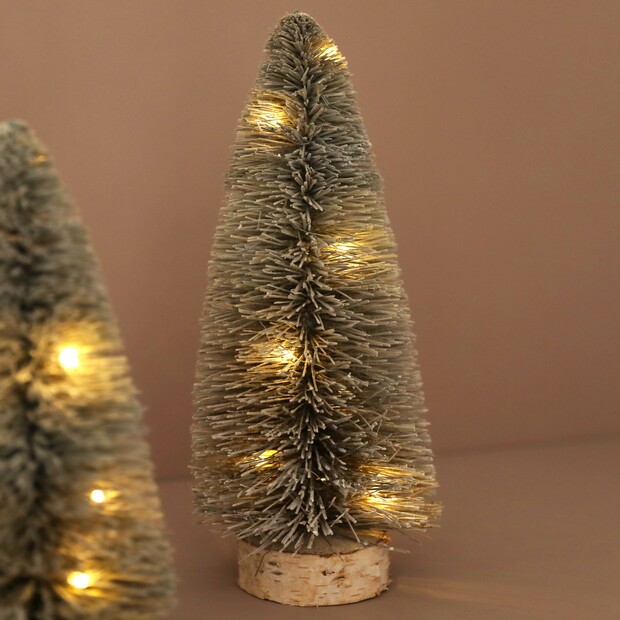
283,354
268,113
267,454
330,51
376,499
39,158
69,358
265,459
343,247
345,253
79,580
272,117
98,496
389,471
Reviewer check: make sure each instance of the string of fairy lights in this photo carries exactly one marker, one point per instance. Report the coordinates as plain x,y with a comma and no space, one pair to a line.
269,114
70,358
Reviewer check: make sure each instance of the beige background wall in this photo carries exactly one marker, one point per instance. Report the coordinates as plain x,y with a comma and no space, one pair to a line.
494,124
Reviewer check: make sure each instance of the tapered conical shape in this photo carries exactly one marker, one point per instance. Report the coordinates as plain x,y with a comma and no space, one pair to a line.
308,398
81,531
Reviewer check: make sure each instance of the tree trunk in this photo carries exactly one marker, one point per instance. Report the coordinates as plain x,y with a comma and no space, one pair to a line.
344,572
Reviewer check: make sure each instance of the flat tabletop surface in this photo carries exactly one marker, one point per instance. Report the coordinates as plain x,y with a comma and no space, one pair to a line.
528,533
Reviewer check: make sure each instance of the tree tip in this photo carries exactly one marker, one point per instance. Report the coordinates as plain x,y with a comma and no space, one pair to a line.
13,127
297,17
19,146
299,22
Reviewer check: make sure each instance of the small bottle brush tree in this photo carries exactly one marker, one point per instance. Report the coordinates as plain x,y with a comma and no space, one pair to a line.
308,435
81,530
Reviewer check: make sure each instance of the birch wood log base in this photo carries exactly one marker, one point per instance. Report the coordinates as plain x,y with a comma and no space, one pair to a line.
344,572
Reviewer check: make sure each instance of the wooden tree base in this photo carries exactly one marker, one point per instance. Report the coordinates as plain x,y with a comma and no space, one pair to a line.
344,572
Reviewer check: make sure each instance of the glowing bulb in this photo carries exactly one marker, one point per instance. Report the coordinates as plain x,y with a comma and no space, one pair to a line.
69,358
264,459
376,499
330,51
38,159
272,117
343,248
79,580
267,454
283,354
345,254
98,496
268,111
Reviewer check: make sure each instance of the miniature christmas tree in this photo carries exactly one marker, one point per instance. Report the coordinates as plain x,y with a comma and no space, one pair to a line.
308,433
81,530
